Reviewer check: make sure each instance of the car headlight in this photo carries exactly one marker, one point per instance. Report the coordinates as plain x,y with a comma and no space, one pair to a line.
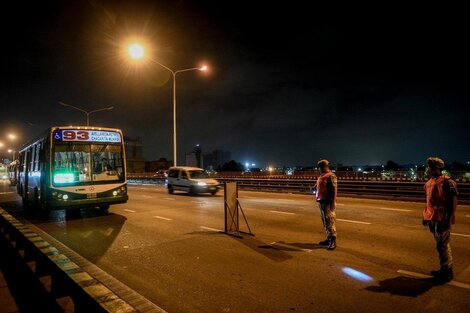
201,183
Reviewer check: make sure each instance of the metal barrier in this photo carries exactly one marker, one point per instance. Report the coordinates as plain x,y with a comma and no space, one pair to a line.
388,188
62,277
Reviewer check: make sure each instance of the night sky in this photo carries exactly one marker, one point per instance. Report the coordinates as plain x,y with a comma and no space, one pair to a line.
288,84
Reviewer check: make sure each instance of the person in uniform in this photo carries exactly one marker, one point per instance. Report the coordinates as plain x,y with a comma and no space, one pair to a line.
325,192
439,214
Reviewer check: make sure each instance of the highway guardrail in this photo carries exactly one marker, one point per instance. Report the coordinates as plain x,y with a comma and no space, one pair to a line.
396,189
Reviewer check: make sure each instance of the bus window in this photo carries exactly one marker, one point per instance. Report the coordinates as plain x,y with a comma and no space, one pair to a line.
107,162
71,163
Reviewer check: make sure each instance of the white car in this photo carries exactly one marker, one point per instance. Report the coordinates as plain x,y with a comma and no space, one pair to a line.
193,180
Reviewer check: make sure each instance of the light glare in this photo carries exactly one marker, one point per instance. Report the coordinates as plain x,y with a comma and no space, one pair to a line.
136,51
357,275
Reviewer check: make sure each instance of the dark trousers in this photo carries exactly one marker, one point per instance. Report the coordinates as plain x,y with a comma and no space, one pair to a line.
442,237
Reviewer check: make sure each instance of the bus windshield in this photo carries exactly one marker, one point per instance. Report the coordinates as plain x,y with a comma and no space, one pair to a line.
82,163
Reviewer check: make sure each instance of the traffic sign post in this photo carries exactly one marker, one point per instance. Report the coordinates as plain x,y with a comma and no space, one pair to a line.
232,209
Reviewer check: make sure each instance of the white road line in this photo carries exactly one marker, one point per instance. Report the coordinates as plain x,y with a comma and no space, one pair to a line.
168,198
340,204
419,275
211,229
351,221
4,193
163,218
398,210
146,196
462,235
282,212
127,210
289,247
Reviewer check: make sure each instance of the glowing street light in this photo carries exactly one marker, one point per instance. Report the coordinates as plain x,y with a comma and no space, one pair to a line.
136,51
12,154
86,112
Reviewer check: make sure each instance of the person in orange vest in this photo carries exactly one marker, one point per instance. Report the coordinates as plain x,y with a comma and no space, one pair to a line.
326,190
439,214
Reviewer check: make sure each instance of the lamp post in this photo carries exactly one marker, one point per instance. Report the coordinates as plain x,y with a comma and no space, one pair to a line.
86,112
12,154
137,51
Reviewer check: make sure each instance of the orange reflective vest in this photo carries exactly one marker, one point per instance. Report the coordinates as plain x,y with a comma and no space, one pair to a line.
322,187
436,202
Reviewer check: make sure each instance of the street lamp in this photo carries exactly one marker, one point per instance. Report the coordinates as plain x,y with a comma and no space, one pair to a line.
136,51
86,112
12,154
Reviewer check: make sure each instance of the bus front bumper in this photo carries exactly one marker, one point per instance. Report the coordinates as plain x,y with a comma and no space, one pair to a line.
59,204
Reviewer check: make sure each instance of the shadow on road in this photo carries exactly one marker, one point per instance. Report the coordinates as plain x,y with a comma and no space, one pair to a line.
264,249
300,245
404,286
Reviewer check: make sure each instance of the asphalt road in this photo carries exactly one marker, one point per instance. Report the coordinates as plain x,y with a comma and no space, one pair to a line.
168,248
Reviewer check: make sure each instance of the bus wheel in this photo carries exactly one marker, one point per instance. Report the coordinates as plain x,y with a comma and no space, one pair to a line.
104,208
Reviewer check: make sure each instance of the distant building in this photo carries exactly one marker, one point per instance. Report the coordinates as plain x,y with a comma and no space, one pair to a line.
216,158
160,164
195,158
134,154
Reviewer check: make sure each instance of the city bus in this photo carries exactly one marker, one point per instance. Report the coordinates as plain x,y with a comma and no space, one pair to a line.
13,172
73,167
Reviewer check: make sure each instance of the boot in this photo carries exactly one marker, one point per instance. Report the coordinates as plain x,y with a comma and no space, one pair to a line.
325,242
332,243
444,275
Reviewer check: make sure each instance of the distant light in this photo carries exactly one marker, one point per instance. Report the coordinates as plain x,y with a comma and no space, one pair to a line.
204,68
359,169
357,275
253,164
10,151
247,164
12,136
136,51
1,144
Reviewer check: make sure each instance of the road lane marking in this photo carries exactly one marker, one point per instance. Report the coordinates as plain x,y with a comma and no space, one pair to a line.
398,210
419,275
163,218
282,212
283,245
146,196
127,210
211,229
351,221
169,198
291,200
462,235
340,204
6,192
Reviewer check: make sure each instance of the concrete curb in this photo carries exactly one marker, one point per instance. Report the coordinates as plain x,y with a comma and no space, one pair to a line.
60,276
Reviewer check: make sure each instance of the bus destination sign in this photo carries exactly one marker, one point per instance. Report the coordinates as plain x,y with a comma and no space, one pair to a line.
86,135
